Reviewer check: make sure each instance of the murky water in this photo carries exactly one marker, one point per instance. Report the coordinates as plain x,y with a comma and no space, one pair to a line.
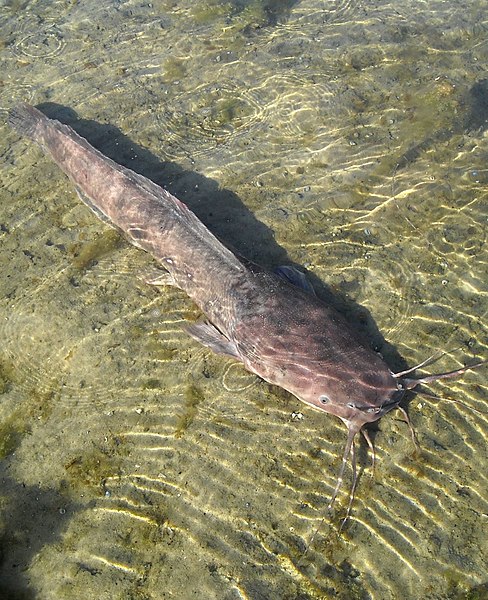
345,136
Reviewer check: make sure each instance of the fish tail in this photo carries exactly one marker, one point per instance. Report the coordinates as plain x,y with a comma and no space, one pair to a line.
25,119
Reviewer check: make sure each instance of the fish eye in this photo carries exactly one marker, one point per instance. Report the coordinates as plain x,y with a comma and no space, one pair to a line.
375,409
324,399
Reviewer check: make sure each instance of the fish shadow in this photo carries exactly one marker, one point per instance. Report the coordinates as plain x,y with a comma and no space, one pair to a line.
225,215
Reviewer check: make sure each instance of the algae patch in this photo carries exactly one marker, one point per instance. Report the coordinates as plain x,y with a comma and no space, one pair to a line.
11,434
193,397
86,255
174,69
18,424
93,468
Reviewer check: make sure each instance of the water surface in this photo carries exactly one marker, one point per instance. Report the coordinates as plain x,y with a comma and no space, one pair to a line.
346,137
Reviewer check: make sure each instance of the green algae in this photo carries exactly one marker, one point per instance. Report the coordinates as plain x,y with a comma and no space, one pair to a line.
193,397
91,469
86,254
174,69
7,375
11,433
206,12
19,423
151,384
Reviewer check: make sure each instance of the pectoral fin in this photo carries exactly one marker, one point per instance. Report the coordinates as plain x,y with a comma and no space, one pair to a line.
208,335
158,277
94,208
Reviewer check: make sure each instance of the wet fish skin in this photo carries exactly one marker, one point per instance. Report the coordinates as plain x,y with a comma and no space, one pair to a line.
279,331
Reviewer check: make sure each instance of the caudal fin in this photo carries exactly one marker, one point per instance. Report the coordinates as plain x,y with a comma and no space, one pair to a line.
24,118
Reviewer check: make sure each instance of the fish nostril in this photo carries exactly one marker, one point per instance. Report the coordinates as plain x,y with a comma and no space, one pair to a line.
351,405
324,399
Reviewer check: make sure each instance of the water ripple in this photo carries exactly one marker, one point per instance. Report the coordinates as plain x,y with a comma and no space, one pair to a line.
41,44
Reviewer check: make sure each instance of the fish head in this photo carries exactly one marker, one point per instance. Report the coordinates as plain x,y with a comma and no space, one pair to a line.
357,398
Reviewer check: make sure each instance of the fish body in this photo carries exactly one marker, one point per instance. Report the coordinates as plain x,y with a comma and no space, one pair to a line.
277,329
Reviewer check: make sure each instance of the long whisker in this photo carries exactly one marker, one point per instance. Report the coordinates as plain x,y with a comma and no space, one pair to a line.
347,451
453,400
353,486
409,384
427,361
372,448
433,358
410,426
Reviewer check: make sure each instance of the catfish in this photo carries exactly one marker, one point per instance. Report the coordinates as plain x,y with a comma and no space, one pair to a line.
272,322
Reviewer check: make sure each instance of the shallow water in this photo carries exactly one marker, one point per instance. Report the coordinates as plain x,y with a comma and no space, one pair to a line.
347,138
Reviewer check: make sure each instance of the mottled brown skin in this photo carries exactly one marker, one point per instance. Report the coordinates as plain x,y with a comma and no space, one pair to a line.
292,339
279,331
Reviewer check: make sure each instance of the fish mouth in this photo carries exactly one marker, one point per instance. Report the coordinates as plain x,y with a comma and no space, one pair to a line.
391,405
385,407
394,402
